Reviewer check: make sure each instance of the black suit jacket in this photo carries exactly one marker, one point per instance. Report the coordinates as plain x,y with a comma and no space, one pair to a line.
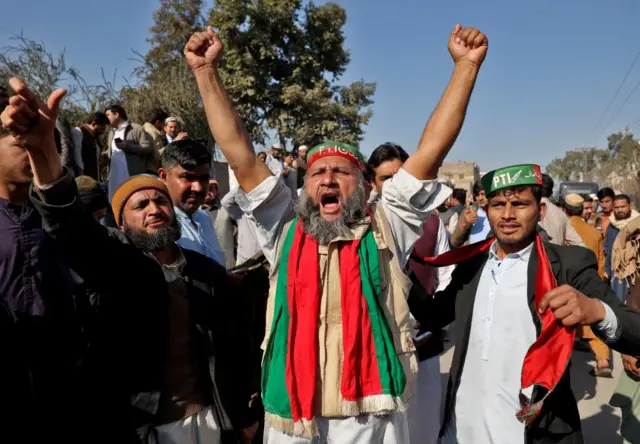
559,420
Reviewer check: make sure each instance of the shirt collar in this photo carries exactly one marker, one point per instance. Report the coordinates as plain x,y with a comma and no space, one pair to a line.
181,213
171,271
522,254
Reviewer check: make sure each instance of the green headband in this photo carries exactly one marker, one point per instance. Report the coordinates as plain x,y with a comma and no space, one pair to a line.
340,149
511,176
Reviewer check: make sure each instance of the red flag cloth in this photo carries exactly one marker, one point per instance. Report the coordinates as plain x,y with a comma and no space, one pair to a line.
547,359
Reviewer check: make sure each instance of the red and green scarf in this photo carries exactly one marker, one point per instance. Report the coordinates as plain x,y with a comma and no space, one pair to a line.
373,379
547,359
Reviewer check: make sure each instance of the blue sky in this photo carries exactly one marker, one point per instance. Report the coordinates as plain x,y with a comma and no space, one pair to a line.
551,70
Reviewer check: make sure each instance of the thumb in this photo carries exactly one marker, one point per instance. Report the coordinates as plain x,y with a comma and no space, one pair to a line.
544,303
55,98
456,30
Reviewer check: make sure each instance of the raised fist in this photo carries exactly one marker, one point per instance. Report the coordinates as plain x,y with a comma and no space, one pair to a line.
468,44
29,119
203,49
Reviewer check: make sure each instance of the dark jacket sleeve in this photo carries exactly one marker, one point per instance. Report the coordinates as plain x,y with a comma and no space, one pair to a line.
92,251
439,311
584,277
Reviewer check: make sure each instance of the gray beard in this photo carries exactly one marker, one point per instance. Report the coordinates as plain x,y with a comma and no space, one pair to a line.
325,231
159,240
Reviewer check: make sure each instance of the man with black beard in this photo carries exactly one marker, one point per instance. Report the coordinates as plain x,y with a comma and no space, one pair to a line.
159,364
339,359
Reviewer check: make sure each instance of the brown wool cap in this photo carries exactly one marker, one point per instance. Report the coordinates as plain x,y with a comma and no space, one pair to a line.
131,186
573,199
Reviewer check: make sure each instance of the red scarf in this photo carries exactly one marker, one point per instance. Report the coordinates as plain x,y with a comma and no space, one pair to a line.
372,378
547,359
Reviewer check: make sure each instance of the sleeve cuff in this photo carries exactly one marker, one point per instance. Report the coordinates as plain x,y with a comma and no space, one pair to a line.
56,192
422,195
248,202
608,327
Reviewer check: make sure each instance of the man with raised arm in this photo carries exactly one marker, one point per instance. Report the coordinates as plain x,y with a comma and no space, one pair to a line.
158,366
339,358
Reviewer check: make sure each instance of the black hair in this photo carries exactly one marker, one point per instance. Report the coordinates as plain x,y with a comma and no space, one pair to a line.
606,192
477,188
460,195
157,114
387,151
117,109
547,185
98,118
573,210
622,197
4,97
588,198
538,192
186,153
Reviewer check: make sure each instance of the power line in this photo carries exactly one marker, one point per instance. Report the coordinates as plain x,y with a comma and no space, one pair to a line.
634,124
622,106
615,96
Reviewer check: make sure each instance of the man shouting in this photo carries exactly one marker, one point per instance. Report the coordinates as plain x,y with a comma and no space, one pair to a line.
339,358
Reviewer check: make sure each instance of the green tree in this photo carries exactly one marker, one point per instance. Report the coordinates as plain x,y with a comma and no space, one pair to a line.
617,166
165,80
173,23
281,66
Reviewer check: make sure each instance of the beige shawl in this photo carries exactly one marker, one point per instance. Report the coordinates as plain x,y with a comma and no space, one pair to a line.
625,259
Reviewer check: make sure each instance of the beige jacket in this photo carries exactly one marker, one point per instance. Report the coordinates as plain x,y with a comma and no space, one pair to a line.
156,137
139,150
395,286
558,226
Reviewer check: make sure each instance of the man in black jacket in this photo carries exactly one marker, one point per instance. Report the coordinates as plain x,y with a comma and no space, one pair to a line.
40,340
517,301
166,354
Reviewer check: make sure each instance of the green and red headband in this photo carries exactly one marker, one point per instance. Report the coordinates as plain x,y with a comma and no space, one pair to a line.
329,148
511,176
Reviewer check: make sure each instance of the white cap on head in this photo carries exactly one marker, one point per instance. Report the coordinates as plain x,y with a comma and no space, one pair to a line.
171,119
276,146
303,148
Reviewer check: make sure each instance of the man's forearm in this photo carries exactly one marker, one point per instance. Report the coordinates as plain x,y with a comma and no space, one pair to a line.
445,123
228,130
458,237
46,165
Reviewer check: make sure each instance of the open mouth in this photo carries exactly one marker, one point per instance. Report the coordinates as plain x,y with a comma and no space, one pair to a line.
509,229
330,202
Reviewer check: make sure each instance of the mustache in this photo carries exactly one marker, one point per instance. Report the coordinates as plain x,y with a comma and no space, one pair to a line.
353,210
163,217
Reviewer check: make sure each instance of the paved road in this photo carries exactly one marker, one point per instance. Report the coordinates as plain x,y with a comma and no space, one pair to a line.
600,421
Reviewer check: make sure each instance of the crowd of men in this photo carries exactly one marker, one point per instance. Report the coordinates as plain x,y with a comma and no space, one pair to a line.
309,304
